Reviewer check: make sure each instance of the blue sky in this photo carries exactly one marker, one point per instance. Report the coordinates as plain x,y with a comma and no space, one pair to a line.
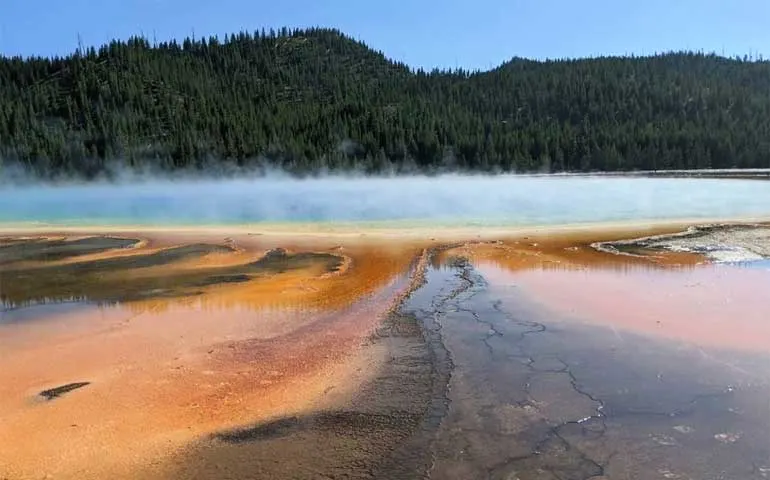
438,33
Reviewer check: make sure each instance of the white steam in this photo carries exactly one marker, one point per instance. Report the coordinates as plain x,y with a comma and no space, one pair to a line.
446,199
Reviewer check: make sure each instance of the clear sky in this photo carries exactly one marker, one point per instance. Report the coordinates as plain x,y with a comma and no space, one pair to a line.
423,33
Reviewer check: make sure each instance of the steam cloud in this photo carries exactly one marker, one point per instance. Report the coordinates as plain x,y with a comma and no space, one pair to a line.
444,199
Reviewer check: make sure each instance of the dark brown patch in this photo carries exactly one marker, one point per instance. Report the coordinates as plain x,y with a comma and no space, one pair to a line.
103,280
45,250
57,392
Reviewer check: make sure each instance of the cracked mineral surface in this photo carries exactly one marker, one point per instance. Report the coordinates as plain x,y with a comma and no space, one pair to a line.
526,358
535,395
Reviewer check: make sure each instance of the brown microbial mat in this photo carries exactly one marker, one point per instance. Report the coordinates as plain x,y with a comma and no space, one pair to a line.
540,356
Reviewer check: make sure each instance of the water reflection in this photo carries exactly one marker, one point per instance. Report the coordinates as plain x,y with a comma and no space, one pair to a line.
567,252
760,264
709,305
535,394
39,310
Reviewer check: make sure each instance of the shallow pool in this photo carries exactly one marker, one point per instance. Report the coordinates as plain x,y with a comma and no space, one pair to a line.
448,200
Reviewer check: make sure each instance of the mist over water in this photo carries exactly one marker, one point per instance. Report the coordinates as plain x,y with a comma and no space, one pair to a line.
448,200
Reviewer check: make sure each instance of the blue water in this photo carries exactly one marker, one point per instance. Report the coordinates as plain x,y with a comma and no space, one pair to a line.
456,200
759,264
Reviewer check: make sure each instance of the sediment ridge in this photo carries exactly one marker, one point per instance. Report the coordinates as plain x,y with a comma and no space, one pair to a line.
717,242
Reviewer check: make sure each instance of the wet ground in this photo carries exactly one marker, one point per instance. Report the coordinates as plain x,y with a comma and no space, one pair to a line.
30,273
534,395
721,243
98,381
531,358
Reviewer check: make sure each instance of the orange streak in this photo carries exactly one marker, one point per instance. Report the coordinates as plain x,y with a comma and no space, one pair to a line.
164,372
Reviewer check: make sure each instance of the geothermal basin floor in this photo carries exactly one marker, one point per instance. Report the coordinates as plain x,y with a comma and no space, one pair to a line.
192,354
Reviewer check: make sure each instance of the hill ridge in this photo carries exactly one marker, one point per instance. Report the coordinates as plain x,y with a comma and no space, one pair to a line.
312,99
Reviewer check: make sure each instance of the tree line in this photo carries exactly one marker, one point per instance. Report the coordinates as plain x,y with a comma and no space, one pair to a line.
308,100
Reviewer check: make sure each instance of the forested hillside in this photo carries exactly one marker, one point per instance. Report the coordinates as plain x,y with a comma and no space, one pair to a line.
306,100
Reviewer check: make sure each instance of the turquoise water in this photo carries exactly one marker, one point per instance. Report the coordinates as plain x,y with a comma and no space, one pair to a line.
454,200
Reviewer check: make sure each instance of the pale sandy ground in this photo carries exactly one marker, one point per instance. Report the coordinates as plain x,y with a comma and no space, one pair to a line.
161,381
298,232
721,243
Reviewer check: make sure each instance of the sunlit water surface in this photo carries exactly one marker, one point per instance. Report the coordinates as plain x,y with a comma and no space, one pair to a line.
455,200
